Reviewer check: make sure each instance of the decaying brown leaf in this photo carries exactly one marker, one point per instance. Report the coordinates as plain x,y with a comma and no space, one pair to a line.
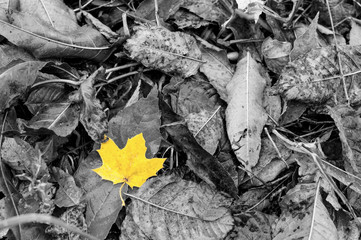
51,30
159,48
304,216
305,78
169,207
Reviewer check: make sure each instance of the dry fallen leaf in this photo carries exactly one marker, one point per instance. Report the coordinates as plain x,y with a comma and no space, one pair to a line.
159,48
169,207
128,165
245,115
309,220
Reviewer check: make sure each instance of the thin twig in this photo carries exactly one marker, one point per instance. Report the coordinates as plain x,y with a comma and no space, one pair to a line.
82,6
160,207
42,218
156,12
338,54
133,15
71,82
47,13
314,209
337,76
109,70
275,147
124,76
268,194
209,119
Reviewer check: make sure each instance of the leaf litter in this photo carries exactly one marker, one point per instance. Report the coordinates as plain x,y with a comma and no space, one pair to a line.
227,119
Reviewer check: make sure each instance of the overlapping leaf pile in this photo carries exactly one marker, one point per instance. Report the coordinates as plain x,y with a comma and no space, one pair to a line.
180,119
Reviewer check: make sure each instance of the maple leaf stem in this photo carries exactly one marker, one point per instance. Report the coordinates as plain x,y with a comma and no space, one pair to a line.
120,193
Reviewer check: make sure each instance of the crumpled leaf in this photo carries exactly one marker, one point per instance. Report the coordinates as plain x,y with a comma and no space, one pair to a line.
159,48
128,165
92,115
69,193
102,197
16,81
195,211
140,117
251,7
245,115
304,216
276,53
59,36
301,79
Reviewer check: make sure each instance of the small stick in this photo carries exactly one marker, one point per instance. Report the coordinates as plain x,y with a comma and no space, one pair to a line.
275,147
42,218
338,54
209,119
156,12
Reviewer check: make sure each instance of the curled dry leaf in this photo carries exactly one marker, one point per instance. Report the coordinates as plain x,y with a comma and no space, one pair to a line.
159,48
92,115
169,207
245,115
276,53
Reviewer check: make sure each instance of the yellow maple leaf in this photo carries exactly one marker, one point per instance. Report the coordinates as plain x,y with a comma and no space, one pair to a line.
128,165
